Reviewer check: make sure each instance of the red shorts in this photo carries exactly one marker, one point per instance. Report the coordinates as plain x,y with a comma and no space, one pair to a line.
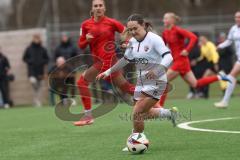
182,66
105,64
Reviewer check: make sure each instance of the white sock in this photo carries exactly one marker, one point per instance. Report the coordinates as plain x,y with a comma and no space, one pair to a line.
165,113
88,112
229,90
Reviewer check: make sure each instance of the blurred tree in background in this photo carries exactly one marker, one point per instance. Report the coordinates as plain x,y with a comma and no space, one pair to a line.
17,14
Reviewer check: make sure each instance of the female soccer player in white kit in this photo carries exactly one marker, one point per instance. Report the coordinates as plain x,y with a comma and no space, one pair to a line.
233,36
152,59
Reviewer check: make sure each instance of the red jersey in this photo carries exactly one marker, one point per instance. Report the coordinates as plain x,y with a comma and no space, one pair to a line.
175,39
103,32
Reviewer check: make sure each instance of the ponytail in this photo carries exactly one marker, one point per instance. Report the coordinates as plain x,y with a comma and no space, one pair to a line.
148,26
176,18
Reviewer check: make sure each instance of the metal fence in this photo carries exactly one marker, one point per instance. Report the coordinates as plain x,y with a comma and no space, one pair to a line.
210,26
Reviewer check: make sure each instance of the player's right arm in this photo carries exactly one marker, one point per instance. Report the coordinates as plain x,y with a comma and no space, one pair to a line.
119,65
85,37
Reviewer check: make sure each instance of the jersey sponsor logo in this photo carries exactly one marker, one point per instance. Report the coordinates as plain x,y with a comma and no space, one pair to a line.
141,61
155,92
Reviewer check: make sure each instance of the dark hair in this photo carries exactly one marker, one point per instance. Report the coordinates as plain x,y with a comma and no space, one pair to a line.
139,18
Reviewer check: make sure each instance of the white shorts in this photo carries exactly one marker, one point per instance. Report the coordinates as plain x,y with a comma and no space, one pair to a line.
150,88
238,57
238,61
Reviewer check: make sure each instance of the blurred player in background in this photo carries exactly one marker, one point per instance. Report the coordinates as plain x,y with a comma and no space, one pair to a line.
99,33
226,58
233,36
194,54
174,37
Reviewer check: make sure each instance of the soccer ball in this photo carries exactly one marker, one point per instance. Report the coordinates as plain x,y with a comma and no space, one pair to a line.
137,143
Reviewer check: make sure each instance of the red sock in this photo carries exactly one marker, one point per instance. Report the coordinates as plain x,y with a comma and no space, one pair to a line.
163,98
128,88
206,80
84,93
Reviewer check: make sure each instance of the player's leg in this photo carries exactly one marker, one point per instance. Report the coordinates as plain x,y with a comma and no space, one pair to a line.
230,88
193,82
85,79
140,110
143,110
205,90
153,113
163,113
171,75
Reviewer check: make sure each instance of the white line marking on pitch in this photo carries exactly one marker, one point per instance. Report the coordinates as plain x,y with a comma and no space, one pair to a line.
187,127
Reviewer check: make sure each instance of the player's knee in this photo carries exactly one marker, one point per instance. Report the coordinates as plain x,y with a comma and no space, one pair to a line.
82,81
127,87
140,109
193,84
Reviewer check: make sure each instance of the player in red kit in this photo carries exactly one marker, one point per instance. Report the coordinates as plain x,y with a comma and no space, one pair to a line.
175,37
99,33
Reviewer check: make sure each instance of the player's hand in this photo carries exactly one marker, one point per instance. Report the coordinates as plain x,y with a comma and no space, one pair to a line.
101,76
89,37
184,53
151,75
218,49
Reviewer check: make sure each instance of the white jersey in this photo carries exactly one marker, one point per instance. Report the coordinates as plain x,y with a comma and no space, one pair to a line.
148,55
233,36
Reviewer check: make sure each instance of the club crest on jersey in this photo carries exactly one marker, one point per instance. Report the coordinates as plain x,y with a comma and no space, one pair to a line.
155,93
146,48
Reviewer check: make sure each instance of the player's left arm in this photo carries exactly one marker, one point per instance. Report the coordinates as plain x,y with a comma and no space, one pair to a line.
192,40
166,55
164,51
228,42
84,38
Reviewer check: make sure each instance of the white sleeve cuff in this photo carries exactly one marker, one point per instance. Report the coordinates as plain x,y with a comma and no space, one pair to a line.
167,60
